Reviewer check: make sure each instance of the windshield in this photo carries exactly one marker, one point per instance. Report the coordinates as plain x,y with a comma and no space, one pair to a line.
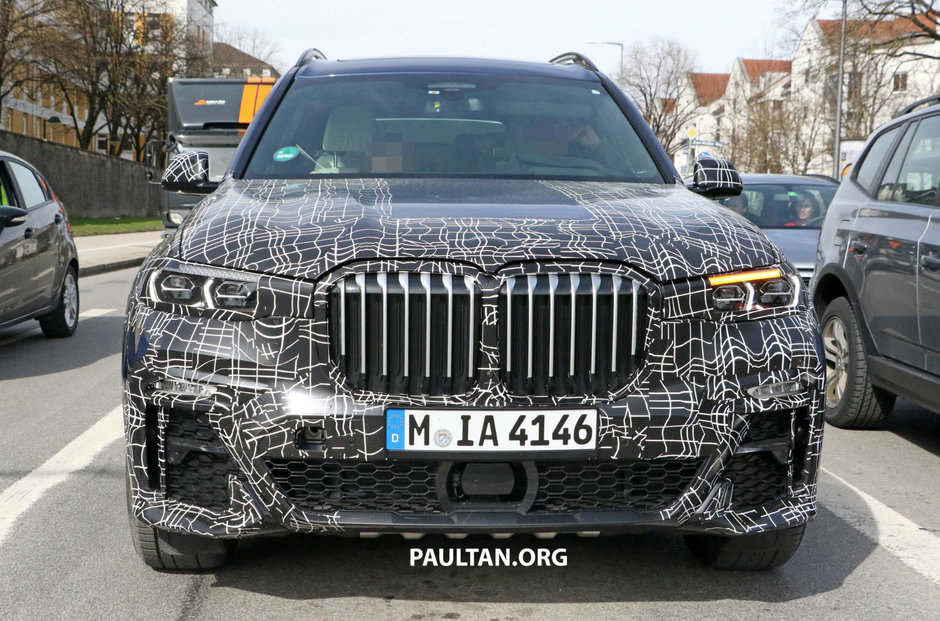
783,205
420,125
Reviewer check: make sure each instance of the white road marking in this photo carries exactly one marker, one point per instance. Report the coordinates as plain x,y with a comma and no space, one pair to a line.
95,312
917,548
77,454
143,244
88,314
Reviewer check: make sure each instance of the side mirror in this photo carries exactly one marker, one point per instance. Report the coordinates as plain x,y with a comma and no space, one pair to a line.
716,178
12,216
189,173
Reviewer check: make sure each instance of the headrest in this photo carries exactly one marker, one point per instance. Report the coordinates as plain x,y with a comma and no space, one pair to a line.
348,129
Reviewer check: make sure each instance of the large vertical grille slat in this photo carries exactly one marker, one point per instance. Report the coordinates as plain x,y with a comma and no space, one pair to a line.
419,333
399,333
569,334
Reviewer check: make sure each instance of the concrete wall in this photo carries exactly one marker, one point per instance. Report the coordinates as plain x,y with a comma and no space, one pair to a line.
90,184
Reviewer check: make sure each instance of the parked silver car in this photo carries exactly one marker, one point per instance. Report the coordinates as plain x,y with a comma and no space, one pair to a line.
38,260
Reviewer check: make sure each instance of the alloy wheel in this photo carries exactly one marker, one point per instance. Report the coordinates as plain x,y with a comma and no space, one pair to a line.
836,346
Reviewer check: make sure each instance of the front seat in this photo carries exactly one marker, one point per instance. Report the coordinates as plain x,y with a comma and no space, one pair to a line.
347,139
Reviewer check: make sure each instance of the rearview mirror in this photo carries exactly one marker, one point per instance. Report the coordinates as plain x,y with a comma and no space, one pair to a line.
189,173
714,177
12,216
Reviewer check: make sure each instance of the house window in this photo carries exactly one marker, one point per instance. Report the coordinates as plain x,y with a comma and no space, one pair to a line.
900,82
855,84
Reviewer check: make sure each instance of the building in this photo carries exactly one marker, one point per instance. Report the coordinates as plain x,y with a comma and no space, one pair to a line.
777,115
231,62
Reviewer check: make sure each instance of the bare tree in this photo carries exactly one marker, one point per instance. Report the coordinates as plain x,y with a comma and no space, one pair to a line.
22,25
250,41
655,77
110,61
920,16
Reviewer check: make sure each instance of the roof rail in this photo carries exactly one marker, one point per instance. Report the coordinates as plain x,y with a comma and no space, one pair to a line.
573,58
310,55
918,104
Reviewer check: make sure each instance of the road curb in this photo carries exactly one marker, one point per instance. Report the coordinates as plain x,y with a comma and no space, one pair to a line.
113,266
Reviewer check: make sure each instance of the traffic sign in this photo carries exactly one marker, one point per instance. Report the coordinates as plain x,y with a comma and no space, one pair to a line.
708,143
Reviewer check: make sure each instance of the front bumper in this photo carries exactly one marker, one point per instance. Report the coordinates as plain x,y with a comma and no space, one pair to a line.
278,447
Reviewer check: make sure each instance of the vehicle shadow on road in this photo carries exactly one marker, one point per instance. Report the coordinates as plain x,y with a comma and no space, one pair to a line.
915,424
607,569
36,355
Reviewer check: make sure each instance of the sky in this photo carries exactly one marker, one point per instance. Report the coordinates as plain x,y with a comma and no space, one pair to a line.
716,31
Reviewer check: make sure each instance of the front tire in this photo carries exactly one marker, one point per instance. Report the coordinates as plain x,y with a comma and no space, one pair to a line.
851,400
758,551
62,321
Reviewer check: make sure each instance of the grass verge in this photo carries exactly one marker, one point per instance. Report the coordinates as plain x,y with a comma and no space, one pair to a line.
108,226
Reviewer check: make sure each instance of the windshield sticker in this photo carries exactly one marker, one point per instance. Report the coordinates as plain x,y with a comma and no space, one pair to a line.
286,154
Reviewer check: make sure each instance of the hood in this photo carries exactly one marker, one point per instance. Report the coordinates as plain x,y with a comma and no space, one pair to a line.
305,228
797,244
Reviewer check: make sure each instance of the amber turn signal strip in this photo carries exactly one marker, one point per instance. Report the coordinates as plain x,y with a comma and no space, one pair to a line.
727,279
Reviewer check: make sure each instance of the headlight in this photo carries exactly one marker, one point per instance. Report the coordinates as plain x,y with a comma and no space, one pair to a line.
204,287
175,218
755,290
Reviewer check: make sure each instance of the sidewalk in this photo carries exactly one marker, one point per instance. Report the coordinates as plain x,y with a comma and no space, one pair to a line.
105,253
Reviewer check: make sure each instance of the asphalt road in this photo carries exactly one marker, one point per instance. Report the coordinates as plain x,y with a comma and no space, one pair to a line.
873,551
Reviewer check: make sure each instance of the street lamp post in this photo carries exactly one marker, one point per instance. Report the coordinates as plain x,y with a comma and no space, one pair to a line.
837,137
52,120
618,44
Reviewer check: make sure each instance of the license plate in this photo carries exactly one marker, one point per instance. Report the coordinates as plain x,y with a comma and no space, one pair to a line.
490,430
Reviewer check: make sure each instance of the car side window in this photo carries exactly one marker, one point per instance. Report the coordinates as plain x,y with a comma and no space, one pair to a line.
30,189
920,173
887,189
7,195
865,173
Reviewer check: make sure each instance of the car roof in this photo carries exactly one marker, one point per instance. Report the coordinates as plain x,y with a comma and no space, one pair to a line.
801,179
319,68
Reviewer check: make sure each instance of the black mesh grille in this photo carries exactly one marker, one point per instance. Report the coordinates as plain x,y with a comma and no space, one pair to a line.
758,479
409,487
197,464
186,427
201,479
638,485
768,426
566,334
389,343
400,487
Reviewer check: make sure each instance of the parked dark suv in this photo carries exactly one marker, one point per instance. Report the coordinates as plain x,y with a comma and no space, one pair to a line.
877,287
466,296
38,261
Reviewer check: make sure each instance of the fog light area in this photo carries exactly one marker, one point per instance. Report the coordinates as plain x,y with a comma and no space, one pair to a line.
777,389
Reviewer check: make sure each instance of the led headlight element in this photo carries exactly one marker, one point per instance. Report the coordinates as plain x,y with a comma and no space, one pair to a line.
754,290
204,287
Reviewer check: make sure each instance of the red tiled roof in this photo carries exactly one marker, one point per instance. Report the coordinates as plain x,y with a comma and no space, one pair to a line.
878,32
709,86
756,67
669,104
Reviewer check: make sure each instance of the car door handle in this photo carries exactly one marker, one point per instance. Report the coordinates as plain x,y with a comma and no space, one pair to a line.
858,247
27,233
929,263
58,218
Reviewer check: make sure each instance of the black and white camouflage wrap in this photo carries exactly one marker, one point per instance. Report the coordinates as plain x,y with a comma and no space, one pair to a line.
274,376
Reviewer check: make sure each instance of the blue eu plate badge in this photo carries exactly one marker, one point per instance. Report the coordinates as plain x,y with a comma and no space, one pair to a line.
395,430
